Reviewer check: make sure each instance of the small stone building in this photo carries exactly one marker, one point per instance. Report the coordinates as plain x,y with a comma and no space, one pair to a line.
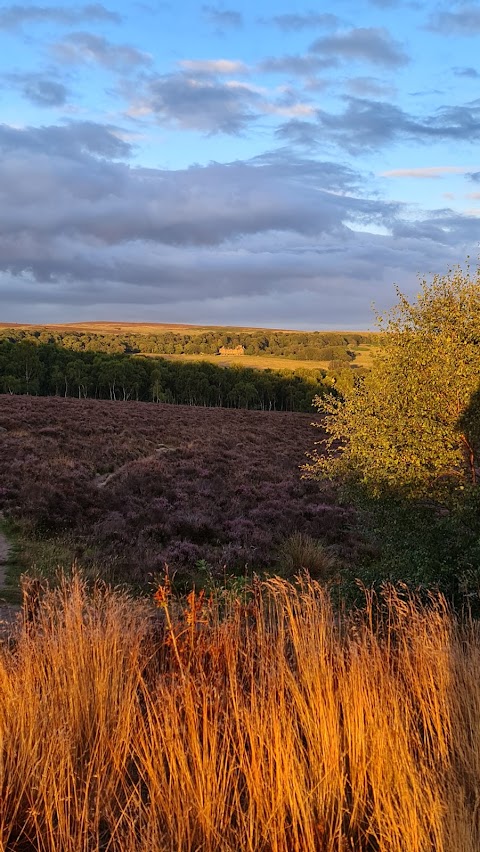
239,350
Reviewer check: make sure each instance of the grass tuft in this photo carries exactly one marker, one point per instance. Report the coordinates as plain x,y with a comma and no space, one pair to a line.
300,552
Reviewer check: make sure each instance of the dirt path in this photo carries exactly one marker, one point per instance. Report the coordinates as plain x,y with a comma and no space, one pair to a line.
8,612
4,551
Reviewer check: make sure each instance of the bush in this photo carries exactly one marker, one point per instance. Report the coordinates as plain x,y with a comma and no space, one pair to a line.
300,552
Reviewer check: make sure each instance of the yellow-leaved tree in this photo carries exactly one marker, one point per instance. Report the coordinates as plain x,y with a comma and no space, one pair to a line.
411,426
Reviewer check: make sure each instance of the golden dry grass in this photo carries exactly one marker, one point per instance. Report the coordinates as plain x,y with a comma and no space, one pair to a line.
271,726
365,355
257,362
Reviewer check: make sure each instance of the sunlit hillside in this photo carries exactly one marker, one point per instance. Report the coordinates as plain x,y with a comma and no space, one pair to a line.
103,327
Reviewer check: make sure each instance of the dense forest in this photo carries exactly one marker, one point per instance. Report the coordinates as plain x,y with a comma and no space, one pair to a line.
301,345
43,368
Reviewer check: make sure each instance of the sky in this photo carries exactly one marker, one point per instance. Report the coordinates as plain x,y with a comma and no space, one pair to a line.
267,164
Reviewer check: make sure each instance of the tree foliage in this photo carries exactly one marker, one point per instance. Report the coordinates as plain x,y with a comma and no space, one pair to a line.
411,426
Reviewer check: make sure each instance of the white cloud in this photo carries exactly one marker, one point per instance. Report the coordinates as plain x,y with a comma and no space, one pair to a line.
428,172
213,66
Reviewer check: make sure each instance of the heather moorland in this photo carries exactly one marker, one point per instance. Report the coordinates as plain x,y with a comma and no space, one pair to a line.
128,487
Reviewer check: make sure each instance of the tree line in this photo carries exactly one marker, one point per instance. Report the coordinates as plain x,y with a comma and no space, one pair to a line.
47,369
301,345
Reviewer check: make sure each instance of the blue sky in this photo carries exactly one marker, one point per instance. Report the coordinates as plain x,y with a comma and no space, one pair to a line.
263,164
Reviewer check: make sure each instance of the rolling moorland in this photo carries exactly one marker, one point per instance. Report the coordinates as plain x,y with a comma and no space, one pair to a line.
128,487
209,675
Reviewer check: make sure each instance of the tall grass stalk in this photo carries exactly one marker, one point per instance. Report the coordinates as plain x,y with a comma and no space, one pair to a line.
272,726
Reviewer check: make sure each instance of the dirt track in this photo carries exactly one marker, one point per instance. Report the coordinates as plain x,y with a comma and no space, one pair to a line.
8,612
4,549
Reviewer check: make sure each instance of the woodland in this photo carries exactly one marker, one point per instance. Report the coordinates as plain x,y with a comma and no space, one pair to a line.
45,369
304,345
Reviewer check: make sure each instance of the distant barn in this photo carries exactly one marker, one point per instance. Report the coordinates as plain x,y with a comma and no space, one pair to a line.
239,350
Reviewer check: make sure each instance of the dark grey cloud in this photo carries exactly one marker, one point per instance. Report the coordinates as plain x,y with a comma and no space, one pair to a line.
201,103
466,72
332,176
39,89
203,97
279,239
442,227
305,134
16,15
81,47
369,125
310,20
367,44
57,195
301,65
223,18
74,140
464,20
325,282
475,176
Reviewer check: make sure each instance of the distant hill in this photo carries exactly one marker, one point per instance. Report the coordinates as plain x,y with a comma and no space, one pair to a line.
162,328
